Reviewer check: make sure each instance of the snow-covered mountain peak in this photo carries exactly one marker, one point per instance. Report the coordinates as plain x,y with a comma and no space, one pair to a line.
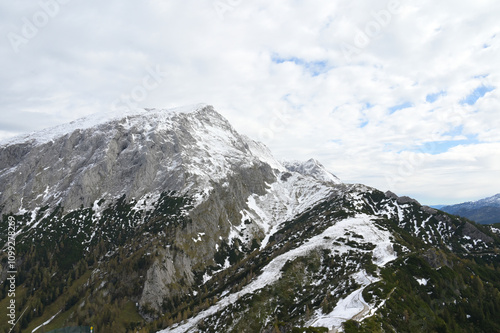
493,201
134,153
101,118
312,168
490,201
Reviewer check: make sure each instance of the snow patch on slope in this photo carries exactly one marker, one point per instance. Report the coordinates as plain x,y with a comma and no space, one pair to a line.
353,306
347,308
46,322
289,196
361,224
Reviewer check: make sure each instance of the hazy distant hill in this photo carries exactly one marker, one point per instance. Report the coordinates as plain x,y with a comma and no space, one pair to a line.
484,211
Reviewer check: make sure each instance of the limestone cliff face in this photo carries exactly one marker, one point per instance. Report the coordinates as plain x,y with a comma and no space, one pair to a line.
162,279
149,151
212,222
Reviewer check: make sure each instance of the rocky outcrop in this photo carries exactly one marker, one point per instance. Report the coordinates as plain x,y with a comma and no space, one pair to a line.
401,199
436,258
162,280
471,231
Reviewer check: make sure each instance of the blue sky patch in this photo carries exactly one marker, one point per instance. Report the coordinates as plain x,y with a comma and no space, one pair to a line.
395,108
431,98
439,147
476,94
315,68
364,123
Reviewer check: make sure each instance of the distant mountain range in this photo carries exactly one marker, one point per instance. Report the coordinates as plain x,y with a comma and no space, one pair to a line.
484,211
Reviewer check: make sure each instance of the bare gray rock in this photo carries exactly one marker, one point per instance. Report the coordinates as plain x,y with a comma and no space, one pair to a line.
471,231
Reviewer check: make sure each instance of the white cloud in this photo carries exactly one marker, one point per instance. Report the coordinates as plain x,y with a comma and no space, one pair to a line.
254,66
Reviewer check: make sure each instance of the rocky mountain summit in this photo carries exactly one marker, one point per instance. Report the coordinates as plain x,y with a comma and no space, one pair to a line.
146,152
312,168
170,220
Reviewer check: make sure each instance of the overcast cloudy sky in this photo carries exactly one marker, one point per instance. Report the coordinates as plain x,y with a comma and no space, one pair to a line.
394,94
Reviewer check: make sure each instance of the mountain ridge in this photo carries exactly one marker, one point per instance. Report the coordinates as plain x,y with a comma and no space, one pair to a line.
94,120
